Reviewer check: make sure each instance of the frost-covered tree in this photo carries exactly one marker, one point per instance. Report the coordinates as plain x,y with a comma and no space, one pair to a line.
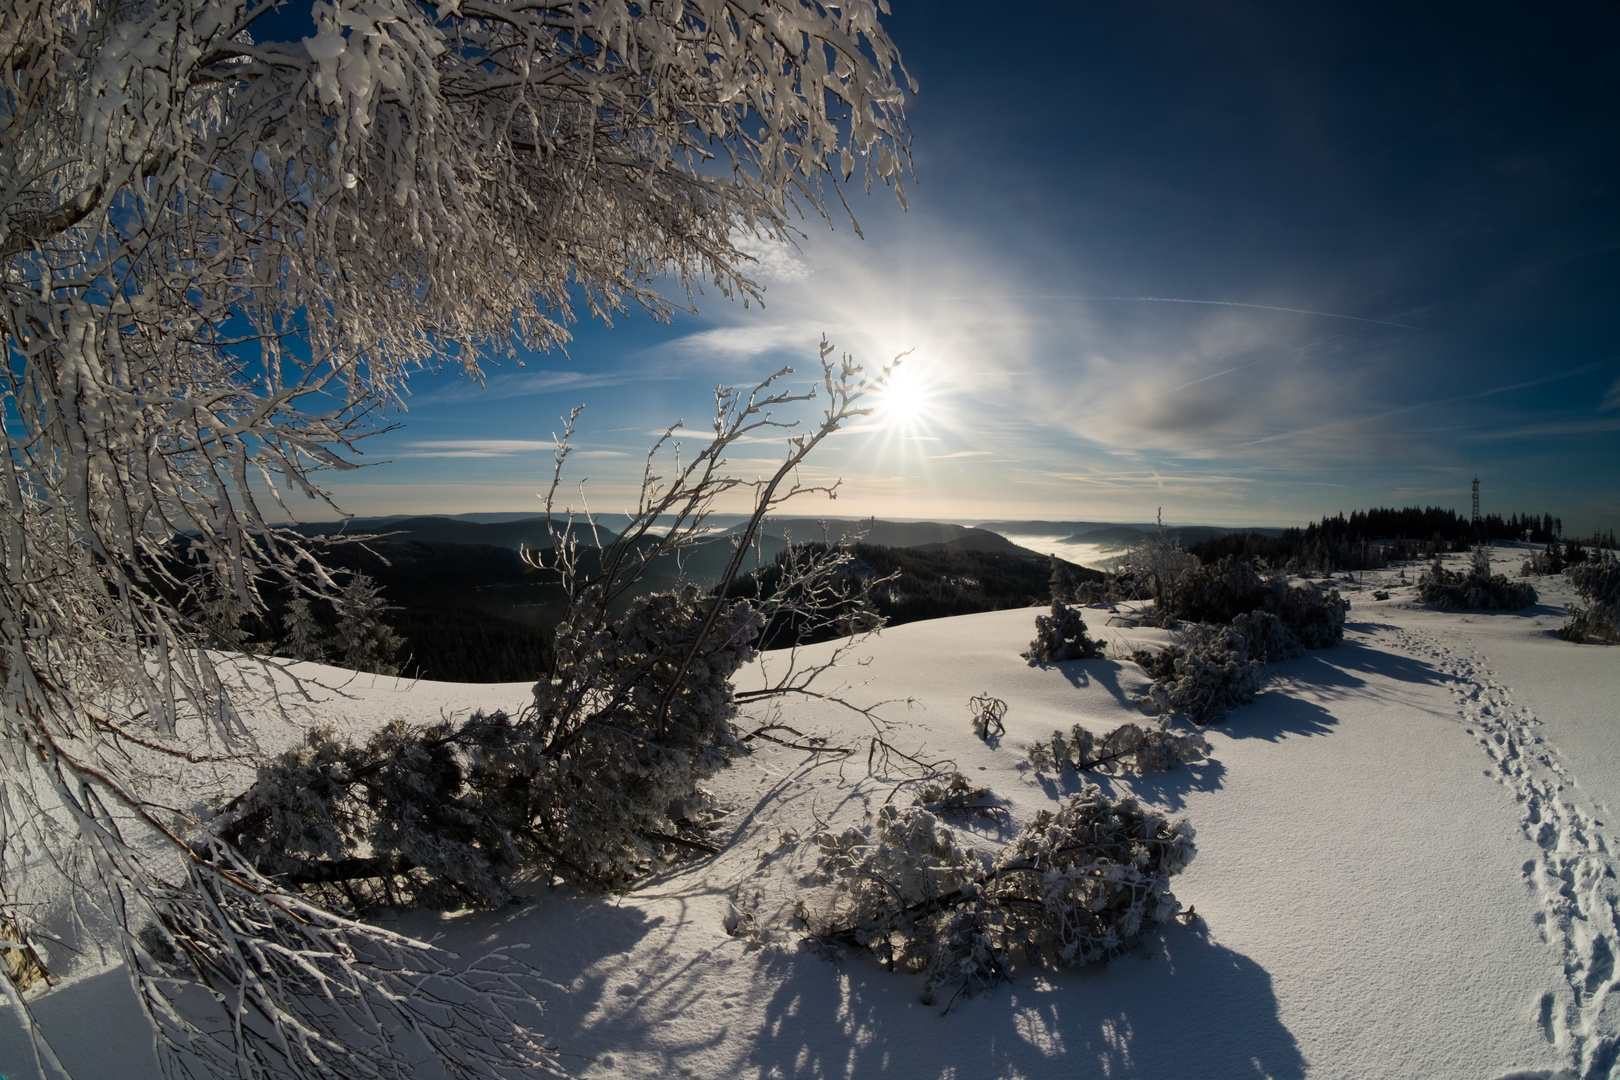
1061,633
302,638
221,258
362,640
1161,561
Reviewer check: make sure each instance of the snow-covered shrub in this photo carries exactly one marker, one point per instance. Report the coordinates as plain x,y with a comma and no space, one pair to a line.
1215,672
1314,615
1598,583
954,793
1543,563
1222,591
1061,635
1160,561
1077,886
1216,592
596,782
1161,665
1269,637
1449,590
1128,750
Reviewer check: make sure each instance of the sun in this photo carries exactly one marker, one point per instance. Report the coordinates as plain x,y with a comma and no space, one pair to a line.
903,400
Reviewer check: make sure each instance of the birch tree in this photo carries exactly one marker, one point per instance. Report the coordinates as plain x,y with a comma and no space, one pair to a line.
222,257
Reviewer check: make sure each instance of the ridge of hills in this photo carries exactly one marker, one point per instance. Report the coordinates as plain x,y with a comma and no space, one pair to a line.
533,533
471,609
1120,535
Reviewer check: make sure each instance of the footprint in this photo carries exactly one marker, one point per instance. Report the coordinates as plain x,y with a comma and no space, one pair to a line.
1573,878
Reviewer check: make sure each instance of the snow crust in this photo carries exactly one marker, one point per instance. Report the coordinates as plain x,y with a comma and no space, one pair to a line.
1404,869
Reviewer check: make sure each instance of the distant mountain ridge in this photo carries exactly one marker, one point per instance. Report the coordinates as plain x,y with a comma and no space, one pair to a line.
515,532
533,533
1120,535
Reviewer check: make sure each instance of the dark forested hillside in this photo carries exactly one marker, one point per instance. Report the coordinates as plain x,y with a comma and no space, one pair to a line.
926,583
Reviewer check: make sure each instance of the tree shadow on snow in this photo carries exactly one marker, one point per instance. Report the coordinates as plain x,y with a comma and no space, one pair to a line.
1105,673
1181,1006
1276,714
1343,664
1167,789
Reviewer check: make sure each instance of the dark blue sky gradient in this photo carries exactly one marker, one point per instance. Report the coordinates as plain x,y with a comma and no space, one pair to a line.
1450,169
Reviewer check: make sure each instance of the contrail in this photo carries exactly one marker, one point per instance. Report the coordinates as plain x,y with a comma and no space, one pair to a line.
1211,303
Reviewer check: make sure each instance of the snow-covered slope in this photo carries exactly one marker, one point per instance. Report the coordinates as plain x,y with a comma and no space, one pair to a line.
1404,870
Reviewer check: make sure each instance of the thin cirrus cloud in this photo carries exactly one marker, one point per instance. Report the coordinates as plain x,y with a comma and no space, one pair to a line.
493,448
504,385
474,448
1611,400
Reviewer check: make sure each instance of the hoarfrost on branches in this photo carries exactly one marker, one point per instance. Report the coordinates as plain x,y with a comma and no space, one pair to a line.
222,258
1161,561
1077,886
1477,590
1127,750
1061,634
1598,582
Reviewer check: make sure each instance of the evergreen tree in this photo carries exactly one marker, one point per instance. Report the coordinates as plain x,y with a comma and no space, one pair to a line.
303,640
362,640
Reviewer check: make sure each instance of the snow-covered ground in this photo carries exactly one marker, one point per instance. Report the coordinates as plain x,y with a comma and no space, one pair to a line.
1405,869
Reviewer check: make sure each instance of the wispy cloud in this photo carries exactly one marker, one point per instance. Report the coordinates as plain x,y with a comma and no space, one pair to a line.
531,383
1611,400
475,448
1602,426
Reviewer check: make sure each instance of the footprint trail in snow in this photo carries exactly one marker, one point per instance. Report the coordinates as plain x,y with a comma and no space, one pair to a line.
1573,876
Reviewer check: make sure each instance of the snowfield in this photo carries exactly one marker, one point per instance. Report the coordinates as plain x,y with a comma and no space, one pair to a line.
1405,869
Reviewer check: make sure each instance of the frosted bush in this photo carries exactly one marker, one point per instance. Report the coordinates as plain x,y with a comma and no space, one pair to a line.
1542,563
1598,583
954,793
1478,590
1078,886
597,782
1127,750
1223,591
1312,614
1061,635
1159,561
1216,592
1214,672
1270,639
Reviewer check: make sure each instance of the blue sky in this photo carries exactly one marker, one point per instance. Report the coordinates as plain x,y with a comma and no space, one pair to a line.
1247,262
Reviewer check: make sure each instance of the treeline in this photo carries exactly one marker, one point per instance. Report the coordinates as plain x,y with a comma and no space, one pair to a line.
434,610
478,613
906,585
1367,539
